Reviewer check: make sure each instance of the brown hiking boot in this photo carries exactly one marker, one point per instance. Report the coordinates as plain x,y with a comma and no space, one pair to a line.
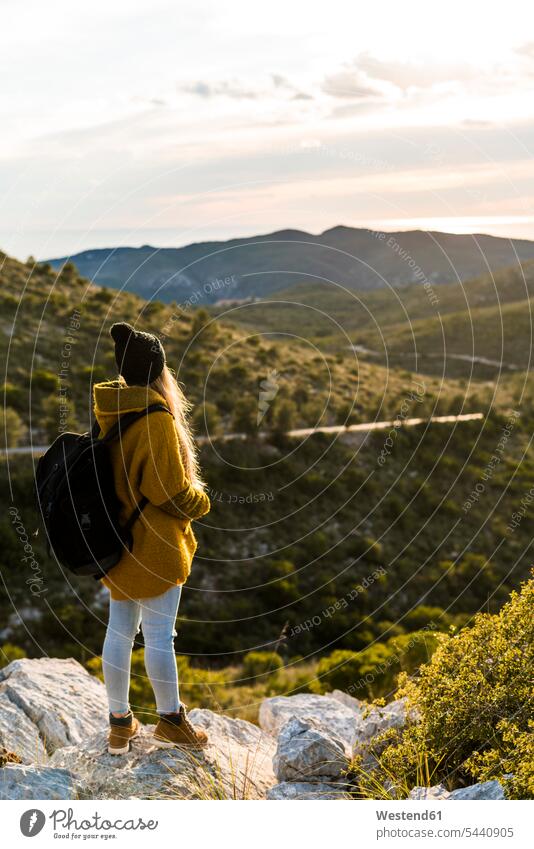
122,730
174,729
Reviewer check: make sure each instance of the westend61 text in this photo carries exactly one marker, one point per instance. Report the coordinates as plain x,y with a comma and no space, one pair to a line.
408,815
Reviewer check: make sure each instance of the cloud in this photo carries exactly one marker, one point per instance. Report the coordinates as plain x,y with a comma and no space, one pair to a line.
526,50
411,74
276,86
150,101
279,81
475,122
353,109
369,78
349,83
225,88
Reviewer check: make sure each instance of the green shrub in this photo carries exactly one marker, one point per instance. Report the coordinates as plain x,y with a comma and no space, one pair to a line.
365,674
475,704
44,380
258,663
8,653
372,672
103,295
284,415
245,416
206,419
12,428
15,396
58,415
414,649
94,373
202,323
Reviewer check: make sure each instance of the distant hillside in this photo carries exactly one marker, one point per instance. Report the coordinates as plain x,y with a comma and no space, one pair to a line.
54,335
487,320
360,259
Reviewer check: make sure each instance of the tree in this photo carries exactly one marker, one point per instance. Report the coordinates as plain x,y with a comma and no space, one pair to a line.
244,418
202,323
69,272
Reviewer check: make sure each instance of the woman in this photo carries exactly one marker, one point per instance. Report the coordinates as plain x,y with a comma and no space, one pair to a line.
156,460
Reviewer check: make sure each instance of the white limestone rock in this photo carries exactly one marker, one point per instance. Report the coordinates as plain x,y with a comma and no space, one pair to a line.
21,781
325,712
349,701
19,734
237,764
379,719
485,790
304,751
62,701
302,790
438,791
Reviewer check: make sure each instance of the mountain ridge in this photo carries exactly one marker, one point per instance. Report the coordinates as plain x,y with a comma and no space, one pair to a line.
254,267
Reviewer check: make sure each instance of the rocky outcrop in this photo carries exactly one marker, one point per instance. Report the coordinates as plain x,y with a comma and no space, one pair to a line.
349,701
36,782
317,737
53,716
310,763
337,714
46,704
429,794
291,791
305,752
376,720
484,790
53,745
325,712
18,733
237,764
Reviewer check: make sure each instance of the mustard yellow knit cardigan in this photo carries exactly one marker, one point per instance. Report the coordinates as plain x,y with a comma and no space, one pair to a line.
147,462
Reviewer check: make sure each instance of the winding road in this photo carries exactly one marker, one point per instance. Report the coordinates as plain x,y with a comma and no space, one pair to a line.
300,433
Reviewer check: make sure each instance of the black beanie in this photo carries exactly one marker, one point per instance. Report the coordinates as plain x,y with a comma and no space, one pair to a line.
140,356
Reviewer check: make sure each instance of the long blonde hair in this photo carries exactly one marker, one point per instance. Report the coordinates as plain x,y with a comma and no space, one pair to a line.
167,386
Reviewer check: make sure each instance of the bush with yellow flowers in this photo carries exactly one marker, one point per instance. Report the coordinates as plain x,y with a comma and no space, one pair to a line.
472,709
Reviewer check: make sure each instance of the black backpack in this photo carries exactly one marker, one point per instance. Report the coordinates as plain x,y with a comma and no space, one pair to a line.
76,497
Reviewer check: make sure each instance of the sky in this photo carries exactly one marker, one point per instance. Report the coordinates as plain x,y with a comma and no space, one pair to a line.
127,123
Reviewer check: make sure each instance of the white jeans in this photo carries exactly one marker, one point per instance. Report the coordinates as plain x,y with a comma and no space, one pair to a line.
157,617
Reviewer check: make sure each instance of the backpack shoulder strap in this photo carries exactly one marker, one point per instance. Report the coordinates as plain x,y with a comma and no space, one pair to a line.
123,422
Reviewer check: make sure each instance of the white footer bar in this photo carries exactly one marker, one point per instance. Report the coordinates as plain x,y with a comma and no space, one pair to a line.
267,825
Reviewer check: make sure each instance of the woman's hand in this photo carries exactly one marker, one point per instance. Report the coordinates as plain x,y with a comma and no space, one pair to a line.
189,503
